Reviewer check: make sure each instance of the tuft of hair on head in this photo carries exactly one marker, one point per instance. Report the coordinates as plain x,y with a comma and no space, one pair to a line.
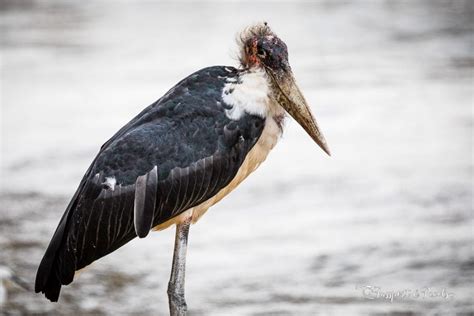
257,30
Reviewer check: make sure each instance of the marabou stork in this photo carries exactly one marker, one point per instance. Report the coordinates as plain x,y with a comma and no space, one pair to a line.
178,157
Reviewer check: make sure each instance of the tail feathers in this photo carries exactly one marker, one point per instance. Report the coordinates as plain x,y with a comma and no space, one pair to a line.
52,289
52,271
47,280
51,274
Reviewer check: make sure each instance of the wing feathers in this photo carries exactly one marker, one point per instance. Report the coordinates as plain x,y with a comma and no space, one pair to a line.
145,201
151,190
102,217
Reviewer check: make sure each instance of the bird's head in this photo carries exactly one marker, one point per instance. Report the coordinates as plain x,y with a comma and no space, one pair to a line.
261,48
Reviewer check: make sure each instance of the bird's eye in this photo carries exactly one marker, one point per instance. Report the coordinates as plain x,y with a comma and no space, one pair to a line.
261,53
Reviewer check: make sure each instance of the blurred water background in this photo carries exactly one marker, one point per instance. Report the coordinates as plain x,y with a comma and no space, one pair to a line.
391,83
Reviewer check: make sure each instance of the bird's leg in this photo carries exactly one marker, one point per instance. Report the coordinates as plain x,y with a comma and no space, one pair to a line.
176,284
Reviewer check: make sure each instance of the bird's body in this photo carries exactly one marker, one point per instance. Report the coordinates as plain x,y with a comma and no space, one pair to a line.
246,98
233,113
173,161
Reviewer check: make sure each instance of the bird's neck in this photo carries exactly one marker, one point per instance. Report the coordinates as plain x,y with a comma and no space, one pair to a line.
252,93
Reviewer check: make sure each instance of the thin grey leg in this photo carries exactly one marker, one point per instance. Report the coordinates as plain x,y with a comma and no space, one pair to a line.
176,284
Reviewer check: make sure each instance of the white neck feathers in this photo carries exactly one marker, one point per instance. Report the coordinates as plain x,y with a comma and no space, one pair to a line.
250,94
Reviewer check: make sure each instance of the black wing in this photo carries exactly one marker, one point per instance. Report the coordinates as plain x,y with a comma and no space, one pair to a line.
174,155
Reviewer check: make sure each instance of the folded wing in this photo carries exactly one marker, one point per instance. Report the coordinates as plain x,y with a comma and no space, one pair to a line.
174,155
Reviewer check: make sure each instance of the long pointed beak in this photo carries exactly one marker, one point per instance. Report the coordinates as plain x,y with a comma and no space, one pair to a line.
289,96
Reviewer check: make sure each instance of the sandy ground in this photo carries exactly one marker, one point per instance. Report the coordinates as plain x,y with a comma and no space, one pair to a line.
391,85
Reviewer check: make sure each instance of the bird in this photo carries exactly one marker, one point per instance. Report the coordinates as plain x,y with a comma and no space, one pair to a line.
178,157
